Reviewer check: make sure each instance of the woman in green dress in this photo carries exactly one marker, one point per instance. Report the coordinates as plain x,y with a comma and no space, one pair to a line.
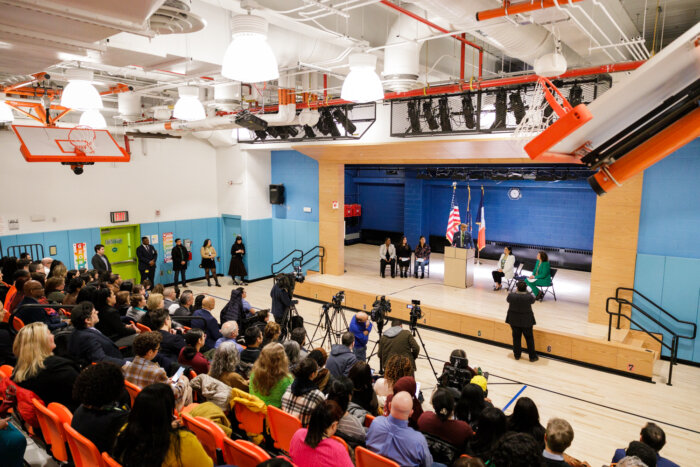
541,275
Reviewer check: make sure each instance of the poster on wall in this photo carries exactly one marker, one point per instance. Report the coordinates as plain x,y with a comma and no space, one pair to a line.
79,256
188,245
168,246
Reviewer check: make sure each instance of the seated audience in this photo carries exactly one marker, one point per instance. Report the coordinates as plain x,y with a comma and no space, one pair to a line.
15,294
57,269
54,290
224,367
172,343
208,323
298,335
12,444
291,348
302,396
190,355
138,307
441,423
350,428
47,375
186,301
157,289
631,461
170,300
6,340
72,291
87,294
33,293
397,367
393,438
645,453
517,450
313,446
87,344
253,342
407,384
271,333
323,376
198,300
526,419
269,378
558,437
100,416
151,438
397,341
470,404
122,302
652,435
233,310
110,323
491,427
364,399
142,371
229,333
505,265
541,275
154,302
342,358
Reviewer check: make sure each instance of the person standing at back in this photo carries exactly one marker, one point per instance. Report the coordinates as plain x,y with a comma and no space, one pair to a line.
208,254
521,319
236,267
180,257
100,261
147,256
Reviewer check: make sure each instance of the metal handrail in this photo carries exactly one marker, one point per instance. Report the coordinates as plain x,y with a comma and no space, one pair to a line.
272,266
300,260
321,254
30,248
695,327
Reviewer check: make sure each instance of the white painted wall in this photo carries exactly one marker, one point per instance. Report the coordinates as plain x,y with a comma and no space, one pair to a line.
243,179
176,176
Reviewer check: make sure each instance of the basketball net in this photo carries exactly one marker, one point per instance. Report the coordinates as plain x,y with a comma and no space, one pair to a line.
82,138
545,105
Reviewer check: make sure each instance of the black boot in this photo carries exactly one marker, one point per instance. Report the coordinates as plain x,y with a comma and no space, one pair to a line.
415,274
422,275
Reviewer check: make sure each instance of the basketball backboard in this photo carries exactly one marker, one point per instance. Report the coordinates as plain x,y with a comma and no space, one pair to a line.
52,144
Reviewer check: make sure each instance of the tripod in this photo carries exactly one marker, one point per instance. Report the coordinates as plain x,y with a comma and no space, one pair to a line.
288,322
333,323
414,330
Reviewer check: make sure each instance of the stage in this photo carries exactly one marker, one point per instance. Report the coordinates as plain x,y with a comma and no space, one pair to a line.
562,329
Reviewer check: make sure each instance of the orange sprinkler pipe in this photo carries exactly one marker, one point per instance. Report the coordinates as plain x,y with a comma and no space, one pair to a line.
647,154
523,7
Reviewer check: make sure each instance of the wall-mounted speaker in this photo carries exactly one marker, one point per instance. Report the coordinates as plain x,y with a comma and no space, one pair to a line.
276,194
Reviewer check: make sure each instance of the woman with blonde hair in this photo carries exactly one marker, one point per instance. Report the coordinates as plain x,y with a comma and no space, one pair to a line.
49,376
58,269
270,375
271,333
223,366
155,302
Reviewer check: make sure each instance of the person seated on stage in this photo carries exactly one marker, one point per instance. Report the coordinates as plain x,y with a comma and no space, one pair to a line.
387,255
253,343
652,435
403,252
541,275
462,239
422,257
505,268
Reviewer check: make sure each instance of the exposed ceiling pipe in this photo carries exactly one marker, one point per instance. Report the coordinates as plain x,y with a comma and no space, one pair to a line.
402,61
514,9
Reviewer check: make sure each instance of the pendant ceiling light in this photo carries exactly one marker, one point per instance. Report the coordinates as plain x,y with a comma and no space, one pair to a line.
362,84
188,106
6,113
80,94
249,57
93,119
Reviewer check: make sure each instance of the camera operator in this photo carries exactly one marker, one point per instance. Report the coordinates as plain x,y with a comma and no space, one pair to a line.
360,327
456,373
282,293
398,341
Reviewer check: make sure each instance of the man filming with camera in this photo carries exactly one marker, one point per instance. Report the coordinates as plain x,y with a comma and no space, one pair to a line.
360,327
398,341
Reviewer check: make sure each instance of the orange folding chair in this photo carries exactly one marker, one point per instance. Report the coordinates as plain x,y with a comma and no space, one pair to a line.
249,421
209,434
341,441
368,420
6,371
243,453
62,412
109,462
143,327
85,454
132,389
52,430
366,458
17,323
282,427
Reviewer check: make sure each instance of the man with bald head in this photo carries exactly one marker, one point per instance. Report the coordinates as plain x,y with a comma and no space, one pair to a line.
33,292
208,323
360,327
393,438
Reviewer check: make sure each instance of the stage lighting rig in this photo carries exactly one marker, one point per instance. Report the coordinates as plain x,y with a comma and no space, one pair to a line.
260,134
292,131
517,107
428,115
247,120
501,110
326,124
468,111
444,111
413,117
575,95
342,118
309,132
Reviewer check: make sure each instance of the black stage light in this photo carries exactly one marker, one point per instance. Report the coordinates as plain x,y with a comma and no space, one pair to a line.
274,131
468,111
444,109
322,122
309,131
501,110
329,124
345,121
428,115
293,131
575,95
247,120
517,107
413,117
260,134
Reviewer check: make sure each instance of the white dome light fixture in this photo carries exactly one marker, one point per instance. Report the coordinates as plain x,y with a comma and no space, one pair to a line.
362,84
80,94
93,119
188,107
249,58
6,115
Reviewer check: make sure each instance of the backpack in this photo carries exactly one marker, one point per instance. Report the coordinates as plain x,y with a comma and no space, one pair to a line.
441,450
20,401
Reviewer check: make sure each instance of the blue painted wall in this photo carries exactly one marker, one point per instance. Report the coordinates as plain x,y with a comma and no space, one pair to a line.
668,257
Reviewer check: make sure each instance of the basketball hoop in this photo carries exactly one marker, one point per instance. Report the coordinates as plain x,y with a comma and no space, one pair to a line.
82,138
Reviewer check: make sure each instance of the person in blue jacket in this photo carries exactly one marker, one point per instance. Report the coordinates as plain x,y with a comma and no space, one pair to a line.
360,327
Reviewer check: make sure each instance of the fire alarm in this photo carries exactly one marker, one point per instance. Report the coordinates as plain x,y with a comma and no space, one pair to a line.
335,205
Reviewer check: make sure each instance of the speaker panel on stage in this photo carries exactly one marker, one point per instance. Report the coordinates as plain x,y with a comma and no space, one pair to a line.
276,194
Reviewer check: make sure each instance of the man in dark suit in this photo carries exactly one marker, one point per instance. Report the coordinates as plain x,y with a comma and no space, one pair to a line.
180,257
33,292
207,323
147,256
170,344
462,239
100,262
87,344
521,319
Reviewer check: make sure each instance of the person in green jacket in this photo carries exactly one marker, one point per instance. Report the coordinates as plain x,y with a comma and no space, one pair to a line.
270,375
541,275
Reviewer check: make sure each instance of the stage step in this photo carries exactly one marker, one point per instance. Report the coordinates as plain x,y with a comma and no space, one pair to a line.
619,335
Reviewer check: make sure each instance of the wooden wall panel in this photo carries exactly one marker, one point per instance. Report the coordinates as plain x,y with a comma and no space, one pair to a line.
614,245
331,226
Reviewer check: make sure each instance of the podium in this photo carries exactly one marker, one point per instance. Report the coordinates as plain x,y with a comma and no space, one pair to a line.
459,267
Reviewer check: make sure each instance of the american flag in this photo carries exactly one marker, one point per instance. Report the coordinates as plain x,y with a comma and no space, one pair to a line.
453,221
481,222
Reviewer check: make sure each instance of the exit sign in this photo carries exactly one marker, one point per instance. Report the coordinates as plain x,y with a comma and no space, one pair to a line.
119,216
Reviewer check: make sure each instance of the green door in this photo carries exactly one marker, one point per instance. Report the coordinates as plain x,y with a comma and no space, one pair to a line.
120,247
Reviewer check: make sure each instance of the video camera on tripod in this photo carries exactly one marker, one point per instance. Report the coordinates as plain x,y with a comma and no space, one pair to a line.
380,309
416,313
337,300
